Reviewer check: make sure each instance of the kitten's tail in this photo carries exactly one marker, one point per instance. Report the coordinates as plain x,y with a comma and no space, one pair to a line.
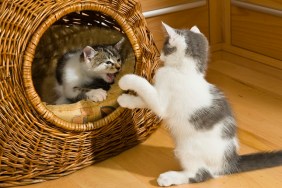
258,161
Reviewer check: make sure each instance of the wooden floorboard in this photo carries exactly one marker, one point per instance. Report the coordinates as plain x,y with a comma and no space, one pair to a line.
255,95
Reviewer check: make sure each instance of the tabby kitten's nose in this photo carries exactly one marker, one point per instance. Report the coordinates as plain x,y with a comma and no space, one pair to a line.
118,67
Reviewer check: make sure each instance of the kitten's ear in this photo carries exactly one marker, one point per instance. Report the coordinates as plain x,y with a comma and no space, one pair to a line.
88,53
119,44
170,31
195,29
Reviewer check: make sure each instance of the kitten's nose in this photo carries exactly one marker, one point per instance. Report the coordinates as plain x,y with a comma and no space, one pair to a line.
118,67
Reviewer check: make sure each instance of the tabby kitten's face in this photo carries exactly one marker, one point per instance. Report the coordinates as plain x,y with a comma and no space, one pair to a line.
184,44
104,62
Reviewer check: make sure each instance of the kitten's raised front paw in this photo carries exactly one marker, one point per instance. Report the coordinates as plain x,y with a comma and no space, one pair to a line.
125,101
96,95
172,178
127,82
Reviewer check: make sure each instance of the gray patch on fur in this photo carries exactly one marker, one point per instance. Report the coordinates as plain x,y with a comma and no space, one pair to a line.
201,176
167,50
229,129
197,48
206,118
230,161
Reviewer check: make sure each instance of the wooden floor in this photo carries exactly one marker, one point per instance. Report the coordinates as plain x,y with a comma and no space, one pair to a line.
254,91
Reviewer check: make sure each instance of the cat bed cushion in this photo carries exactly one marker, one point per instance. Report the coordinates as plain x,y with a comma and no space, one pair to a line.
57,41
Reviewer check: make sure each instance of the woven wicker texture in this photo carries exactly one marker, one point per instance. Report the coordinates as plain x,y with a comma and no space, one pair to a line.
35,145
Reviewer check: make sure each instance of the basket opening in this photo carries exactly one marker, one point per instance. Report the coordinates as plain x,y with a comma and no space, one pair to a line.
73,32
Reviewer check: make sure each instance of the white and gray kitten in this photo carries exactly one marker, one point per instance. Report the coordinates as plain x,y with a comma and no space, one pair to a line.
87,73
196,113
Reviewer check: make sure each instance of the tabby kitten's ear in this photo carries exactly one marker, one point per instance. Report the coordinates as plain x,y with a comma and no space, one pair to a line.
195,29
119,44
170,31
88,54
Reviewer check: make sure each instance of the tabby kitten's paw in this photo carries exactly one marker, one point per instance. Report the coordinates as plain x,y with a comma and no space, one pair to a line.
172,178
127,82
96,95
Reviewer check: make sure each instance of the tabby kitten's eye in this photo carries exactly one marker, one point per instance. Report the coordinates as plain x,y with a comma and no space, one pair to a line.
118,60
108,62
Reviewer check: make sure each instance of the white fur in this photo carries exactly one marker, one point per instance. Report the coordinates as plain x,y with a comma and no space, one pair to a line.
96,95
195,29
178,91
169,30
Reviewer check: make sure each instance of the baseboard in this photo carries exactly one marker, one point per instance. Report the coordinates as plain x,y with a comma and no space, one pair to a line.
253,56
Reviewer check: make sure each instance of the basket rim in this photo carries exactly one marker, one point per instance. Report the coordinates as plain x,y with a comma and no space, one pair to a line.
32,95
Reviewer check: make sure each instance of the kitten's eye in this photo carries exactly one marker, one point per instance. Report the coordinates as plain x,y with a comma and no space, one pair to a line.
168,49
118,60
108,62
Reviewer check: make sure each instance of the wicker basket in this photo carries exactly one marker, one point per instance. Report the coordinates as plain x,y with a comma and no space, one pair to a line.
36,145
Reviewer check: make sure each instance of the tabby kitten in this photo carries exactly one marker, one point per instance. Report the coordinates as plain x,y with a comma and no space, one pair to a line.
196,112
88,73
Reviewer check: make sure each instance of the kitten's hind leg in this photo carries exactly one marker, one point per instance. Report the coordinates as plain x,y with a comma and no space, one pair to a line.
183,177
130,101
173,178
201,176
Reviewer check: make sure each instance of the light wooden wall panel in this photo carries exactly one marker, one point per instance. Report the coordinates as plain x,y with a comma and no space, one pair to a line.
217,18
275,4
257,32
182,19
148,5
